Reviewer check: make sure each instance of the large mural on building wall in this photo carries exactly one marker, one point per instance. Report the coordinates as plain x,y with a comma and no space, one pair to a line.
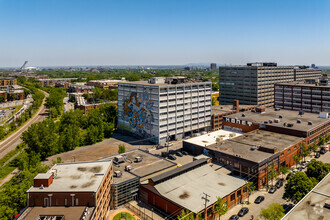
137,111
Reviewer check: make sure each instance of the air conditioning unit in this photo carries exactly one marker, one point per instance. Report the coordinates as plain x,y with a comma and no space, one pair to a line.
117,173
243,115
298,121
138,159
128,167
310,123
280,116
276,120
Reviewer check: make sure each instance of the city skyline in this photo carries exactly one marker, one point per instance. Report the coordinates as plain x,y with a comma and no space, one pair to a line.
89,33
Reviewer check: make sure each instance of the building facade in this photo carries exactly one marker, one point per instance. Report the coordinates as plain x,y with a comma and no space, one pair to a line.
309,97
164,109
254,84
68,186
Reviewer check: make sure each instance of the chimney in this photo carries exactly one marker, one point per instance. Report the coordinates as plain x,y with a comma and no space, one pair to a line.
236,105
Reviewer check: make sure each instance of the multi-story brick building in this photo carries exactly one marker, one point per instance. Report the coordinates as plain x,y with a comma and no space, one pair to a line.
182,189
273,137
104,83
254,84
164,109
71,190
308,96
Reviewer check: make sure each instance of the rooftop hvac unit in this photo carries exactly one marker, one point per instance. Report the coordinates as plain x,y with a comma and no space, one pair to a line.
254,148
265,122
204,132
276,120
270,121
118,173
280,116
253,110
128,167
243,115
301,112
218,139
290,124
119,159
138,159
277,109
232,135
298,121
310,123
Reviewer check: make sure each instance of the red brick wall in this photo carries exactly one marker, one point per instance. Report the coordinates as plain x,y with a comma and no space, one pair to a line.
245,128
44,182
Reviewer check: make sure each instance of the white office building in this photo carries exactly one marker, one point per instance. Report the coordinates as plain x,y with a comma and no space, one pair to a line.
164,109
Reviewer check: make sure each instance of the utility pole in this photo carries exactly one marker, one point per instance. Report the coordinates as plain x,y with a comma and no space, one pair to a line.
206,200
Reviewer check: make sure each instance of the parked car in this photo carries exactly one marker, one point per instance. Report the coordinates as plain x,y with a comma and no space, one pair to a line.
179,154
234,217
171,157
259,199
279,184
184,152
170,144
243,212
272,189
159,147
303,165
288,176
322,151
317,155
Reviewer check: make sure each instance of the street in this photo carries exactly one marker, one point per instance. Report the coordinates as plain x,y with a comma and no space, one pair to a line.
14,139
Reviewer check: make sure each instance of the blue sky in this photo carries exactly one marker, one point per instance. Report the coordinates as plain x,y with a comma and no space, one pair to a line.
161,32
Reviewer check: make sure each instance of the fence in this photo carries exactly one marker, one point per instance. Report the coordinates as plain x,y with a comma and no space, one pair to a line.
139,212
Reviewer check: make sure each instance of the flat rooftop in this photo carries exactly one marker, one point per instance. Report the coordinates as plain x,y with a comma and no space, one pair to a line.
211,138
241,146
288,117
186,189
69,213
223,109
149,165
76,177
162,84
312,205
303,84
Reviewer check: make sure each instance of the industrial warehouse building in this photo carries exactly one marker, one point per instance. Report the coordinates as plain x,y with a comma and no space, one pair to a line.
253,84
132,168
164,109
183,188
71,191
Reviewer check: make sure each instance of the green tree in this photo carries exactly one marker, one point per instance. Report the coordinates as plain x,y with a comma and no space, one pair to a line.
304,150
317,169
185,215
313,147
274,212
121,149
284,170
297,187
321,141
271,174
221,207
250,187
296,159
2,98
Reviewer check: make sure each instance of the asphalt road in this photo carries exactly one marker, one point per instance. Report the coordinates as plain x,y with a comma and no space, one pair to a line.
15,139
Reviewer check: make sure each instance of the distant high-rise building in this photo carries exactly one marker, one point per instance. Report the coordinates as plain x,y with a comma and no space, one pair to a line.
253,84
213,66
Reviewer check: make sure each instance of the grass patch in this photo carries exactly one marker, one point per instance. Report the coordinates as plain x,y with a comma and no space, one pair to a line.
4,171
8,156
123,216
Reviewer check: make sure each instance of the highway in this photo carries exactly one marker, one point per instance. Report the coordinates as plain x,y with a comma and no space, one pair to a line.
14,139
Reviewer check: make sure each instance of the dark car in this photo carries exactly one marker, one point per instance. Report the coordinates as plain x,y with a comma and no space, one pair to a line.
171,157
259,199
179,154
288,176
234,217
272,189
279,184
159,147
317,155
322,151
184,152
243,212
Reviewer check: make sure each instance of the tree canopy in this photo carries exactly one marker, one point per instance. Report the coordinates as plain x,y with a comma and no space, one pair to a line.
317,169
297,187
274,212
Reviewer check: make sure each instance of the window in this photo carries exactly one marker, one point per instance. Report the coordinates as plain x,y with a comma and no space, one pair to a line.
77,202
232,197
289,150
282,154
239,192
45,202
65,202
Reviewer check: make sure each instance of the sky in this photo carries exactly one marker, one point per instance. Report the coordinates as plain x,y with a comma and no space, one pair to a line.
163,32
